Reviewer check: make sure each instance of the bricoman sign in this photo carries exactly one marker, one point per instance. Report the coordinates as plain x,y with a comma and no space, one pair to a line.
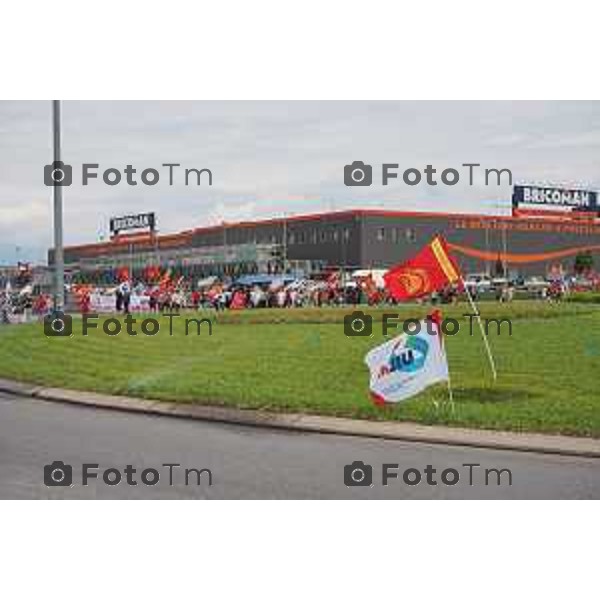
131,222
554,199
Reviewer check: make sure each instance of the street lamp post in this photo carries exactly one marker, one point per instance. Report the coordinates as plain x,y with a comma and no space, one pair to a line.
224,247
59,266
285,244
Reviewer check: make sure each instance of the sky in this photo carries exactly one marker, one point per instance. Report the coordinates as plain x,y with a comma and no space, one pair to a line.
277,158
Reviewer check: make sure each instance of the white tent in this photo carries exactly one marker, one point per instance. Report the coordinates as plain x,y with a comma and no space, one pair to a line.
209,281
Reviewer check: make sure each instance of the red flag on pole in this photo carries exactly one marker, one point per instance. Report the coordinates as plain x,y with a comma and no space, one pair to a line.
123,274
429,271
165,281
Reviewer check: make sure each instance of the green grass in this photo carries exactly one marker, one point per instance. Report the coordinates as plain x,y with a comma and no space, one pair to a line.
584,297
300,360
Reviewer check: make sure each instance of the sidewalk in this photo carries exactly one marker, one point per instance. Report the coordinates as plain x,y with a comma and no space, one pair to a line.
481,438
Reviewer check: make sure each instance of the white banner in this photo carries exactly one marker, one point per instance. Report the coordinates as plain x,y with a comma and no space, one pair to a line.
106,303
407,364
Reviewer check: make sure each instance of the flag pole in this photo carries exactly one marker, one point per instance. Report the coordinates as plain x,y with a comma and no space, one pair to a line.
450,394
435,316
483,334
449,382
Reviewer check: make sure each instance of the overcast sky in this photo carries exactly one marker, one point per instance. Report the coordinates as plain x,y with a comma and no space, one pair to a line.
275,158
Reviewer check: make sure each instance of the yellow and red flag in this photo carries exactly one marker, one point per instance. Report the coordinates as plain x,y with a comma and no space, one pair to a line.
165,281
429,271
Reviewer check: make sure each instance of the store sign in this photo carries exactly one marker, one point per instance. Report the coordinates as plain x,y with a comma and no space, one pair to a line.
131,222
550,198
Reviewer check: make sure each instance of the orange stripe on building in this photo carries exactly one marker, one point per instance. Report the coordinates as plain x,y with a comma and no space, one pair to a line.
521,258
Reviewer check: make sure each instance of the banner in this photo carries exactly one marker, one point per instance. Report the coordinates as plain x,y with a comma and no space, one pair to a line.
106,303
128,222
407,364
562,199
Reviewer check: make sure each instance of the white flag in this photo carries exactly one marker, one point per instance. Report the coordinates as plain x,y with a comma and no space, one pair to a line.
407,364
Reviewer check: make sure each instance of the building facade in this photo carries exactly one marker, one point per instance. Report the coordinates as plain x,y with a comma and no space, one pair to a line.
346,239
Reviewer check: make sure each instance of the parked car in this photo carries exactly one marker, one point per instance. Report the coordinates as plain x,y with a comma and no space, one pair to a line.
499,283
535,284
481,282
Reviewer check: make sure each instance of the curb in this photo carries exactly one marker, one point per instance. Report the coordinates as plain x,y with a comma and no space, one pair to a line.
400,431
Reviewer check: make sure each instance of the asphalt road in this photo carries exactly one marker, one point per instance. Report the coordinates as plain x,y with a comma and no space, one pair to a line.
247,462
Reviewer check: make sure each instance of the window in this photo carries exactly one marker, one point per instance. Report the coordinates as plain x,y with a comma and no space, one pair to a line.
381,234
291,238
323,236
336,235
394,235
411,235
314,236
346,234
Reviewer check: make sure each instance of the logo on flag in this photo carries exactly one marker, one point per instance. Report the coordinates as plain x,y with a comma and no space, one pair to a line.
429,271
407,364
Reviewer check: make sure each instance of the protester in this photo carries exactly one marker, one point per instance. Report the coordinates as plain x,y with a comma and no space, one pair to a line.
4,308
41,305
124,293
153,300
195,297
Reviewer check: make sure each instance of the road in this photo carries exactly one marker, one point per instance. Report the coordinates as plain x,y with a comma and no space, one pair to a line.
247,462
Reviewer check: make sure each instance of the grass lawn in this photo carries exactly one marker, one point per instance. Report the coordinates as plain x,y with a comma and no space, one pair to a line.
300,360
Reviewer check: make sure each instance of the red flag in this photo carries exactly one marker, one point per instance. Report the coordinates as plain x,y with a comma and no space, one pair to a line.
429,271
238,300
333,280
369,287
165,281
152,273
123,274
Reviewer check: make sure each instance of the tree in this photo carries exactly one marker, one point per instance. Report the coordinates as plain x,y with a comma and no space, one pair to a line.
584,263
499,268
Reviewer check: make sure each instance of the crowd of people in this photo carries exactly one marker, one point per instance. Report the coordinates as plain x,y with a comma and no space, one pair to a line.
333,290
167,293
221,295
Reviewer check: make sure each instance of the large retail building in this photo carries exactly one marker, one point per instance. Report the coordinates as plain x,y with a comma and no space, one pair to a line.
350,239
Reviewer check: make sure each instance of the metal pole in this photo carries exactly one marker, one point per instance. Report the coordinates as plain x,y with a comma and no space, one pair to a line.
487,247
224,248
59,265
284,244
131,260
483,333
156,249
504,249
